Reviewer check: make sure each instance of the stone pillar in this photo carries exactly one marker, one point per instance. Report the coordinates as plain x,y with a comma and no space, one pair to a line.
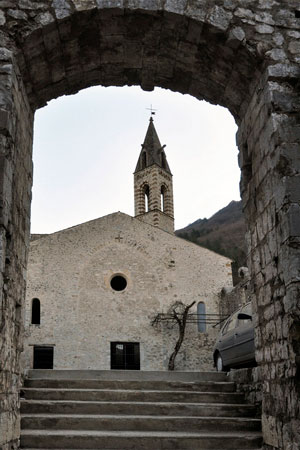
269,140
16,121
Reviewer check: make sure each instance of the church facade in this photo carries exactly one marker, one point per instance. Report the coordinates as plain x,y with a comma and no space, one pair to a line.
94,289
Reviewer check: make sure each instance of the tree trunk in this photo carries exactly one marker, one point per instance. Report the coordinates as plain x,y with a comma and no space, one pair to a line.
181,324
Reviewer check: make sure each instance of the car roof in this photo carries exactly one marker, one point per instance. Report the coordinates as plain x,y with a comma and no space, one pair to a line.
240,307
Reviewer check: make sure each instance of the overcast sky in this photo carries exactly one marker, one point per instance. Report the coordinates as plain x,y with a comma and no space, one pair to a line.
86,147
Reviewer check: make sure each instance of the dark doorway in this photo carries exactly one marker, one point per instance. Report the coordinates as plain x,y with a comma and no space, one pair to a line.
125,355
42,357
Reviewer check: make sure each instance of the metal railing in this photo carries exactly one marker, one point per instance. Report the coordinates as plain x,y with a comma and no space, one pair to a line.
208,319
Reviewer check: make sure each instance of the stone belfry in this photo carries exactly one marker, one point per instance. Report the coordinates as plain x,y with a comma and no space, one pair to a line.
153,186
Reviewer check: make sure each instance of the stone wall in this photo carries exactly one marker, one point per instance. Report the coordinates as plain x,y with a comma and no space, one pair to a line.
15,195
34,237
70,273
270,194
234,297
242,54
249,382
158,219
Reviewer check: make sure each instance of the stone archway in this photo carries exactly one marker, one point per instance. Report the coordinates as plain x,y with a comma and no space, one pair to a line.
241,54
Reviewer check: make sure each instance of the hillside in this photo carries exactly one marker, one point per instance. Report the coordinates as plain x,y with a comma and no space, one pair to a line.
223,233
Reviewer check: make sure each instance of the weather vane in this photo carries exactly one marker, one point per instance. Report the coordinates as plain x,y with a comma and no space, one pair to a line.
153,111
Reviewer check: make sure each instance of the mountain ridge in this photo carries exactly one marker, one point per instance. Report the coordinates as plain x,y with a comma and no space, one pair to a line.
224,232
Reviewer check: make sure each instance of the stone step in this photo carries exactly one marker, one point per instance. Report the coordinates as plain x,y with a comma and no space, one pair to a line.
133,410
134,440
137,375
132,395
203,386
133,423
137,408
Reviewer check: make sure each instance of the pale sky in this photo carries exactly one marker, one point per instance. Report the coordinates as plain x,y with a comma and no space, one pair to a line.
86,148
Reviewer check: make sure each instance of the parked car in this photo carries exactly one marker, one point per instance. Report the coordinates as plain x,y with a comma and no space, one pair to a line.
235,343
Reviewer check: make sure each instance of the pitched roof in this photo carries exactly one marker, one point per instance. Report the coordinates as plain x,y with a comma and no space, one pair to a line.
96,230
152,151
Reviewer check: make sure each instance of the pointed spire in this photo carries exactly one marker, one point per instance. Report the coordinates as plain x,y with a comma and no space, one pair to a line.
152,151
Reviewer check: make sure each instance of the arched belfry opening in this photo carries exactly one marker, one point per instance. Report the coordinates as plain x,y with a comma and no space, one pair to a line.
146,198
163,198
244,59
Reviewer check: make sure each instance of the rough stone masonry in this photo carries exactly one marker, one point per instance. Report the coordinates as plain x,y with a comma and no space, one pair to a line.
242,54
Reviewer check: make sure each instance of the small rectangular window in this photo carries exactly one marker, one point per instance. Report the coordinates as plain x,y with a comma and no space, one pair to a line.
43,357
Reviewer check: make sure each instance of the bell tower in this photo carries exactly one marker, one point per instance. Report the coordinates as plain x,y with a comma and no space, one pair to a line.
153,185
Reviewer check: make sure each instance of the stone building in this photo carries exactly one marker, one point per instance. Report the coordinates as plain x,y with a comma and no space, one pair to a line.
93,289
241,54
235,296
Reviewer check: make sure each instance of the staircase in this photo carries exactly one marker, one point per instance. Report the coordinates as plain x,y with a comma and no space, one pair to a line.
135,410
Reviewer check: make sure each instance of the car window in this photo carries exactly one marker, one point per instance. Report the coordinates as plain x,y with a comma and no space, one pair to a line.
231,323
246,310
243,322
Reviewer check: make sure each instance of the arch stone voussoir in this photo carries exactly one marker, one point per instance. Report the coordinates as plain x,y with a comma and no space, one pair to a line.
242,54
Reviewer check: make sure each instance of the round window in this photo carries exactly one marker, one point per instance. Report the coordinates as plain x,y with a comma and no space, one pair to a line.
118,283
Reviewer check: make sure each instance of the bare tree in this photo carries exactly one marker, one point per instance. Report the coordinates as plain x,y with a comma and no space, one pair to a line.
178,313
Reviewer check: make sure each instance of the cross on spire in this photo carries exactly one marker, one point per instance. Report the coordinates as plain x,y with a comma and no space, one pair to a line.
153,111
